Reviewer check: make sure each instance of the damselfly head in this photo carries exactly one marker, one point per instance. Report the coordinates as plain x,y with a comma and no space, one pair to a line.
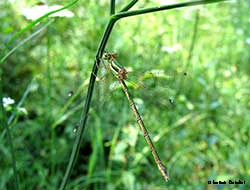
109,56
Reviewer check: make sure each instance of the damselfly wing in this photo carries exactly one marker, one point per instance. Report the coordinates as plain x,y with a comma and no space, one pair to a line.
155,86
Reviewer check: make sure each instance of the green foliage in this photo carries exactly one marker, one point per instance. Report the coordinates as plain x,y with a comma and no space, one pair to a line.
203,134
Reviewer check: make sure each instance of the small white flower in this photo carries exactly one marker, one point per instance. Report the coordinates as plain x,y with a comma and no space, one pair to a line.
37,11
7,101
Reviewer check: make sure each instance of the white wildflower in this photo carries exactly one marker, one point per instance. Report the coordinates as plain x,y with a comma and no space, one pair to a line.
32,13
7,101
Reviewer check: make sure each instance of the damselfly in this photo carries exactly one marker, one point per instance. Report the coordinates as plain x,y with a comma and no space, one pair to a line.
121,74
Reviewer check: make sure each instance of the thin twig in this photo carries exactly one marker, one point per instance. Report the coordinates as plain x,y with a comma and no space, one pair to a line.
121,15
24,41
129,5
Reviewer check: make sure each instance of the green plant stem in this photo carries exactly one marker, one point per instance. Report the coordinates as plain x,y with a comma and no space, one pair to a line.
193,41
129,5
84,116
162,8
24,41
48,75
112,7
13,116
4,124
20,103
12,150
190,52
62,113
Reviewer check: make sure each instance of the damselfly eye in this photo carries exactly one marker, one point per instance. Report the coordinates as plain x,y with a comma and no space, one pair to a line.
105,56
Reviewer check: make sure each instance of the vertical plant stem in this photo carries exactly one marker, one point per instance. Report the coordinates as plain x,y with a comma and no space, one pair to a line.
193,41
112,7
13,157
191,49
48,102
84,116
140,122
9,139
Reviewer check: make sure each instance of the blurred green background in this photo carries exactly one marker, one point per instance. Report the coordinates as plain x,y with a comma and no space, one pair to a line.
197,112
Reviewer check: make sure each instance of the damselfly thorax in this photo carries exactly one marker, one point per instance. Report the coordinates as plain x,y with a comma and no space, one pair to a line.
117,69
